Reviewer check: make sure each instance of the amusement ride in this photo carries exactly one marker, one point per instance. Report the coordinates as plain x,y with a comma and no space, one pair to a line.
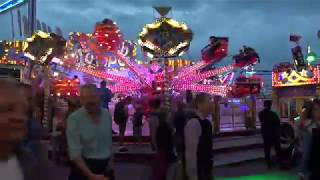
60,65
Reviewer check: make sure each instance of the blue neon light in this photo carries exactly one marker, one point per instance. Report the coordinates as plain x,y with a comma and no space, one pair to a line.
10,4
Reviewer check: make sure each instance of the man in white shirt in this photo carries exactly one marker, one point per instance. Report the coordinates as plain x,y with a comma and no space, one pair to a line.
16,162
198,141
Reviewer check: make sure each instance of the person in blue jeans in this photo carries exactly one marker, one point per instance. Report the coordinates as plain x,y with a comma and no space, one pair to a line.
306,144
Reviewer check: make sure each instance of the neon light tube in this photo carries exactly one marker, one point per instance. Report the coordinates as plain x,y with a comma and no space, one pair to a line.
10,4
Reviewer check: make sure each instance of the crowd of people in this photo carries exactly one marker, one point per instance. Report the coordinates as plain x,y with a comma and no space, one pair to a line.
88,134
181,136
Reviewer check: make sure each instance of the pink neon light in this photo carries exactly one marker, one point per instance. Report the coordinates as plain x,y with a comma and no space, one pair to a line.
214,90
124,88
189,70
104,75
133,67
205,75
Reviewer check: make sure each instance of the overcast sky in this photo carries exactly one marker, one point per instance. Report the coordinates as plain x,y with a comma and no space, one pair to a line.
263,24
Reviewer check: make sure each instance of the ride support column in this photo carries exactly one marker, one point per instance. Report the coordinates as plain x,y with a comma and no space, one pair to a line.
46,98
252,113
216,114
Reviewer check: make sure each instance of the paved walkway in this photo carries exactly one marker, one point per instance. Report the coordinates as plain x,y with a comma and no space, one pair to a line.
248,171
253,171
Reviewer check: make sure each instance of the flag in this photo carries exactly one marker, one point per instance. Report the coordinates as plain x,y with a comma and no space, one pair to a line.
59,31
19,22
25,26
44,27
49,29
38,25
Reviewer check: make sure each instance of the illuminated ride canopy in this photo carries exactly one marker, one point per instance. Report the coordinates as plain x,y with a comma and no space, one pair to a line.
165,38
43,47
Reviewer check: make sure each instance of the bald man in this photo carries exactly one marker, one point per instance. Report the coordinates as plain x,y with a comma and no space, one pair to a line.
89,135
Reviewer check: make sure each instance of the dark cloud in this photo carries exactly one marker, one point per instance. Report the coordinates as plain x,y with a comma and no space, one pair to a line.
262,24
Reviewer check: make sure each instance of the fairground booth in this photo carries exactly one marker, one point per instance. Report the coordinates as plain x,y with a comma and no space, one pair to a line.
295,83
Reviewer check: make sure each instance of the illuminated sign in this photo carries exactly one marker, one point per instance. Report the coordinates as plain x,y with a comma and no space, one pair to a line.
9,4
294,78
83,51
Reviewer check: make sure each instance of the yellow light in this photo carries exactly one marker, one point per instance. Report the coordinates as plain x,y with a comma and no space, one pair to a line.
158,23
30,56
295,79
39,33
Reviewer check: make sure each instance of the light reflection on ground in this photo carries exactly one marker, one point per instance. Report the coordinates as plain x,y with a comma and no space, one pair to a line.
271,176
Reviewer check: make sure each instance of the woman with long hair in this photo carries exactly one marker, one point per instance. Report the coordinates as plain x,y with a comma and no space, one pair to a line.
309,119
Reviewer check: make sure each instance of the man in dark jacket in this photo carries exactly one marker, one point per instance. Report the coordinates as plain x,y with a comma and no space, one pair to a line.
270,130
17,162
105,94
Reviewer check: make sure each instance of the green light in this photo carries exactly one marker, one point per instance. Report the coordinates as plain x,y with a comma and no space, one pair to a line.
271,176
311,57
297,119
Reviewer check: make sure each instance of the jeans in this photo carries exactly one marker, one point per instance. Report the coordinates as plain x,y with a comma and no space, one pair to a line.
307,141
